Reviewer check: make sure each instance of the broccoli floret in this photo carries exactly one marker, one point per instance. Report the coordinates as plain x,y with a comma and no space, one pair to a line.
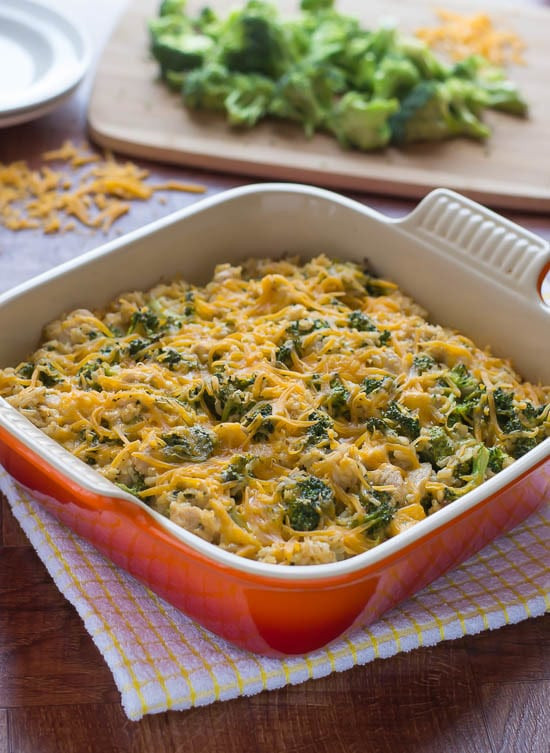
238,468
231,399
376,424
378,519
497,458
207,87
238,473
137,485
505,96
436,110
302,515
303,94
385,337
492,88
194,444
360,321
531,413
436,447
423,362
284,353
314,6
252,41
302,327
395,77
402,420
137,345
419,54
331,35
504,401
380,509
258,422
510,418
172,7
169,357
317,433
461,378
507,416
521,446
362,123
315,490
25,370
371,384
88,374
169,25
472,394
181,52
48,375
248,100
305,501
337,400
145,321
476,468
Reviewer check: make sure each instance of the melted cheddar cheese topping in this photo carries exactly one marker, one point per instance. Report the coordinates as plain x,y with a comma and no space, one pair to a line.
290,413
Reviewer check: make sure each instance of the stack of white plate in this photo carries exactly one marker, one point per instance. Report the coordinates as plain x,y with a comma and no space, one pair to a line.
43,58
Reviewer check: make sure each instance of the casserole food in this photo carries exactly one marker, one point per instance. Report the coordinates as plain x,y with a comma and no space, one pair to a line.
257,605
292,413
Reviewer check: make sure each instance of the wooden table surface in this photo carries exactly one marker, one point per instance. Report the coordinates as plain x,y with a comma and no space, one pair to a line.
479,694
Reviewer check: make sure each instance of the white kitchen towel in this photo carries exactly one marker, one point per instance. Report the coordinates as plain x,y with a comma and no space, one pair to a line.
162,660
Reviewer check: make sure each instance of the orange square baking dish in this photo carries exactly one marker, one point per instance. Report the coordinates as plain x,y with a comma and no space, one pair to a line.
471,269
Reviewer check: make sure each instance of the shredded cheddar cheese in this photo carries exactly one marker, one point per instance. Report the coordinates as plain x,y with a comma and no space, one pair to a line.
460,36
293,414
46,199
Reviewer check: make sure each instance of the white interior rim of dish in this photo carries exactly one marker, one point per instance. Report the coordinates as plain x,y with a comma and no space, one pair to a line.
43,55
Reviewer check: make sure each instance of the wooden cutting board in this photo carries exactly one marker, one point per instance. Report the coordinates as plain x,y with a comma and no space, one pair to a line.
132,112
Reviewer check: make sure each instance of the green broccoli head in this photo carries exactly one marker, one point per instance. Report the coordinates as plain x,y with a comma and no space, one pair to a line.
493,89
461,378
172,7
394,77
362,123
423,362
229,399
402,421
317,432
194,444
171,25
207,87
497,459
361,322
380,509
428,65
252,41
304,94
314,6
248,101
338,398
181,52
305,500
435,446
435,110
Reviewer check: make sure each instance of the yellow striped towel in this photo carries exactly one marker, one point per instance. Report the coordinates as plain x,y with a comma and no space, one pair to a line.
162,660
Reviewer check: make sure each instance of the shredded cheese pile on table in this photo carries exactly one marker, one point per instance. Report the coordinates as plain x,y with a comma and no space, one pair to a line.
295,414
48,199
460,36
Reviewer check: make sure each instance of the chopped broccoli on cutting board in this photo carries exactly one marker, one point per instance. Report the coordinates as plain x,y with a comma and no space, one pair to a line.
369,88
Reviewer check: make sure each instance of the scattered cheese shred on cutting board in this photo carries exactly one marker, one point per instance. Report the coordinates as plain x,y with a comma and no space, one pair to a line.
46,199
460,36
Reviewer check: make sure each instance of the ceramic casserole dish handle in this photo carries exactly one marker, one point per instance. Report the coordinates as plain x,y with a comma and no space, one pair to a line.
265,608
